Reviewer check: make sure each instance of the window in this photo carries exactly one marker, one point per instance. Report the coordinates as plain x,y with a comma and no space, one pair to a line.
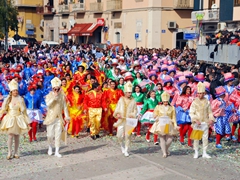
236,2
52,35
210,3
99,1
118,38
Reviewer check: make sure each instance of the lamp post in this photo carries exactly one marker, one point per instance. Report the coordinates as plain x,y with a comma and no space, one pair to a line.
6,27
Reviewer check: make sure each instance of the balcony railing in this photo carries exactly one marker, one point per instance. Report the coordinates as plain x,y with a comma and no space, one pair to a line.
183,4
63,9
28,3
96,7
45,10
113,5
77,7
209,15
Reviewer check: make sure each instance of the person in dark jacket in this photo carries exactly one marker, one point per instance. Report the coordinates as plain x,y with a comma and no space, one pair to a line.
214,82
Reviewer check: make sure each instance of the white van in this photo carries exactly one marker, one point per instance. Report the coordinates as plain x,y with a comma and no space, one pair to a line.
15,44
50,43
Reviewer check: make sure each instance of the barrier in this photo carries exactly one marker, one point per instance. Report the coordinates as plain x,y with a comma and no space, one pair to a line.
229,54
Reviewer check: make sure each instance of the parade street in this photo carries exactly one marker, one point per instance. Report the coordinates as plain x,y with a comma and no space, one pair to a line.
102,159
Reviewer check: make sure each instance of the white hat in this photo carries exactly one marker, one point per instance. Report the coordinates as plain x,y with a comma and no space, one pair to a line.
56,82
201,88
128,87
13,85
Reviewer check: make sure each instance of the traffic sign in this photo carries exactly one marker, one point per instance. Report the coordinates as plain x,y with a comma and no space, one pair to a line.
136,35
190,36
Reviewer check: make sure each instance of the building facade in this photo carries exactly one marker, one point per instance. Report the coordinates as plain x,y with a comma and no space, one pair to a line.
29,20
157,23
215,15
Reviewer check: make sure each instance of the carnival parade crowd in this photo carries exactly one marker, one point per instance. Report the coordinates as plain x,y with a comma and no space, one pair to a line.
81,87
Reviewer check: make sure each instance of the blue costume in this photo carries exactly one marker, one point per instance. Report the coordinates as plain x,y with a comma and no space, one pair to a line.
33,104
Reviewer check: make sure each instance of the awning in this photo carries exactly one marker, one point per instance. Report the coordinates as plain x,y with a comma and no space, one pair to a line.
86,29
76,29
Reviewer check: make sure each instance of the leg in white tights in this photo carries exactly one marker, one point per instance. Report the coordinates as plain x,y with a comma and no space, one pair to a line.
163,145
10,141
16,141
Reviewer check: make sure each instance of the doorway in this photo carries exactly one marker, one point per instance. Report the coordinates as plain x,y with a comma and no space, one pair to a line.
180,42
118,37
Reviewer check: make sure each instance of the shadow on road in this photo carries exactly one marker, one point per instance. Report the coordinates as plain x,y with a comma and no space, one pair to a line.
146,150
83,149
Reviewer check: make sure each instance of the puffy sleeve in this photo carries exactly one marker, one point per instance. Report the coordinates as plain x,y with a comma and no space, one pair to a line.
118,109
193,111
216,110
4,108
23,109
145,107
50,99
65,108
176,99
156,111
173,116
210,114
85,101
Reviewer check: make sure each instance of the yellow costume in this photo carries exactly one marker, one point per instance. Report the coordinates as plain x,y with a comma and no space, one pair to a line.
16,120
165,129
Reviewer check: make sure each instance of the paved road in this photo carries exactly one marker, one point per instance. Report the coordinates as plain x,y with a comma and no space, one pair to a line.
102,159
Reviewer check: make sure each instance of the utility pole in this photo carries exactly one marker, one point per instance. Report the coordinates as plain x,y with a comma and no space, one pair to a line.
6,27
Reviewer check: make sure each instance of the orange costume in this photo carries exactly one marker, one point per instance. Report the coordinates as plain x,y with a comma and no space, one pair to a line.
93,104
100,76
110,100
79,77
75,102
68,88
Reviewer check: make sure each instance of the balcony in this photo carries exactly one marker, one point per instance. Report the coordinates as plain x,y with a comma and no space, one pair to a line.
211,15
28,3
63,9
183,4
96,7
45,10
114,5
77,7
227,54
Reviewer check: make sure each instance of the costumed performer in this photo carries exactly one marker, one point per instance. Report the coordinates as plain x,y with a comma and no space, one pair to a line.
56,104
93,105
126,108
222,126
164,110
201,114
146,115
33,104
16,121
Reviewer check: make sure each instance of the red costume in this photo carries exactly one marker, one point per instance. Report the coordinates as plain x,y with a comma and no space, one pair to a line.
111,97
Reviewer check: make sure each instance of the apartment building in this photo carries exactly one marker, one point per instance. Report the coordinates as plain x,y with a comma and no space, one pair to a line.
29,20
215,15
158,23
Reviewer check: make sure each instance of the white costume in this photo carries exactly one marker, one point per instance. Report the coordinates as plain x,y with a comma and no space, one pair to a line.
54,120
126,108
200,110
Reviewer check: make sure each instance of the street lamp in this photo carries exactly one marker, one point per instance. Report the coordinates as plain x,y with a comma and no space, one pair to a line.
6,28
